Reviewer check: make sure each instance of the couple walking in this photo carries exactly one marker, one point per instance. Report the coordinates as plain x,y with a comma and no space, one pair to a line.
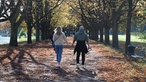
81,40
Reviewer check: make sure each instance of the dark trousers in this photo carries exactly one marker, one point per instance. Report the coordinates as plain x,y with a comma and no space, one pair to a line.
78,57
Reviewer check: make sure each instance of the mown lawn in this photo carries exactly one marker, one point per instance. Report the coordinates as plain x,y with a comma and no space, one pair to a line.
134,38
140,44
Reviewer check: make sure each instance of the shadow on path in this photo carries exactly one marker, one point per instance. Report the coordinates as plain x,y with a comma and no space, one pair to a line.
86,72
14,64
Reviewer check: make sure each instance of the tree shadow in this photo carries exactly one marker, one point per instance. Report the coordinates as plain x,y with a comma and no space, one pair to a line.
59,71
16,59
9,52
113,58
86,72
89,74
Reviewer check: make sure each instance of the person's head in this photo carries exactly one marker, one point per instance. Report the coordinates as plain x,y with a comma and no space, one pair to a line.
81,29
59,30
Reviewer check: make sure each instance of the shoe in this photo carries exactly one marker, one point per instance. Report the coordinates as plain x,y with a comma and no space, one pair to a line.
58,66
83,66
78,64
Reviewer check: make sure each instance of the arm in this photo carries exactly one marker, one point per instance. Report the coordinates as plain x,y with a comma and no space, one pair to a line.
64,37
87,41
54,37
74,39
73,42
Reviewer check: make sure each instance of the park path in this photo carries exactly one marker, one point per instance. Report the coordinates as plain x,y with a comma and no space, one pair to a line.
38,64
88,73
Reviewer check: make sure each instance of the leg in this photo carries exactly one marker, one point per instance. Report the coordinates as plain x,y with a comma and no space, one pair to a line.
60,53
83,58
57,51
78,57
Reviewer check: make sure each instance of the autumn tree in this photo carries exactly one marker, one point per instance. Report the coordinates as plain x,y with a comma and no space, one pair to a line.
131,7
37,17
15,21
28,19
12,10
49,8
63,16
4,11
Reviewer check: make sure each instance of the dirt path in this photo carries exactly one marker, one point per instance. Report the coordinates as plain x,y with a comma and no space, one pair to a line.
69,72
38,64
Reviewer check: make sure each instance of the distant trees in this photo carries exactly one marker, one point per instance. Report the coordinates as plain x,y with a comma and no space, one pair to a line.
12,10
16,11
28,19
105,16
100,17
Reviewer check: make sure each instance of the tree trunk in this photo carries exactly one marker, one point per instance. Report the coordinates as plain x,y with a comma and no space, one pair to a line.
90,35
37,35
48,27
115,34
93,35
38,15
96,31
28,19
43,34
96,38
128,29
29,28
13,37
107,41
101,34
43,29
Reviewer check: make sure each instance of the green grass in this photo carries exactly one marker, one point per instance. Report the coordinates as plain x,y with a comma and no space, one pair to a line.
139,43
134,38
23,39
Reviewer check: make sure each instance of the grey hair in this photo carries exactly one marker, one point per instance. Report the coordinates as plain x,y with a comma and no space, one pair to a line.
81,28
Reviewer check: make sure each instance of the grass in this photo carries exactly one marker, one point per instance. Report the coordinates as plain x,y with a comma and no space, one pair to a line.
23,39
134,38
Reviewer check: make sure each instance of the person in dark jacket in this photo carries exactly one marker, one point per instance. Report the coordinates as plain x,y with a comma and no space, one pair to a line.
82,40
51,39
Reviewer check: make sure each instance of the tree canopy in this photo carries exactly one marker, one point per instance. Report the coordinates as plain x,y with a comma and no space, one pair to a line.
100,17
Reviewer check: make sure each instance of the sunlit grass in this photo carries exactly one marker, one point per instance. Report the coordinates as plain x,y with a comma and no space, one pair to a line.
23,39
134,38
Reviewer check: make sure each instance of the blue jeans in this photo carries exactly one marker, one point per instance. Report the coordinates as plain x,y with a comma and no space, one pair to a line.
59,50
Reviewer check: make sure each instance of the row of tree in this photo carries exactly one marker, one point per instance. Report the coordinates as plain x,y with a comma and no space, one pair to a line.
36,13
103,16
98,16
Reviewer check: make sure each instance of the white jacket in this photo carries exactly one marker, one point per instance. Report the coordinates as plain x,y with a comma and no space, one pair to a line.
59,39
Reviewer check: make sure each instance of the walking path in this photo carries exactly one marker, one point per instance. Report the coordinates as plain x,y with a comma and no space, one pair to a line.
69,72
37,63
32,67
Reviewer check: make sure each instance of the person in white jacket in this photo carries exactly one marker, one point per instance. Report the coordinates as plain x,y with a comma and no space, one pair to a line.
59,38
